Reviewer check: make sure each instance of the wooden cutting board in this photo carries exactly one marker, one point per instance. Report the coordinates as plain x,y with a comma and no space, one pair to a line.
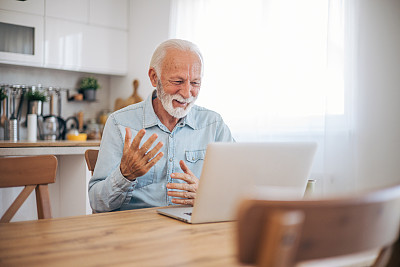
133,99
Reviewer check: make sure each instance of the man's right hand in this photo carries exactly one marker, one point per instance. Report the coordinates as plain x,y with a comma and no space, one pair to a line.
137,161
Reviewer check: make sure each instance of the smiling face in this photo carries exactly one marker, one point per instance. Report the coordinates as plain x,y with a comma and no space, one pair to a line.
180,81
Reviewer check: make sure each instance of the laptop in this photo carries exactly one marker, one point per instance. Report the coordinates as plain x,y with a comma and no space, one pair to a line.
232,171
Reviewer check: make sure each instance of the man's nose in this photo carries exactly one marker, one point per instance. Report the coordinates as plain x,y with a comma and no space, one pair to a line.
186,90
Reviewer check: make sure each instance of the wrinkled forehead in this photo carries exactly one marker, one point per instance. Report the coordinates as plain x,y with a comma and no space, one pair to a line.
182,61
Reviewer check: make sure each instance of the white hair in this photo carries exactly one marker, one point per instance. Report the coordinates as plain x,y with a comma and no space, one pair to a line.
179,44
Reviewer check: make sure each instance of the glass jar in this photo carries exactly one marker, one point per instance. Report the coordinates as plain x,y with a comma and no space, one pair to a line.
93,130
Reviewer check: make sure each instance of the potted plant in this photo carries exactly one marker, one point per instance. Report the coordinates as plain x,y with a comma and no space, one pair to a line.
3,94
88,87
35,101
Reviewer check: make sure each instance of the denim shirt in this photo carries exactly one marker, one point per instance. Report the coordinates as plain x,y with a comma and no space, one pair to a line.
109,190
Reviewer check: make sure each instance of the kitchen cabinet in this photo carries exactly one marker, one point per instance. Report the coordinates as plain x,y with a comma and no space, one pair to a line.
78,35
82,47
107,13
34,24
73,10
35,7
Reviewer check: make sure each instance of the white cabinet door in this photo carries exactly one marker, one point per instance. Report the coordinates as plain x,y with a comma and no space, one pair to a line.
32,6
81,47
32,23
74,10
109,13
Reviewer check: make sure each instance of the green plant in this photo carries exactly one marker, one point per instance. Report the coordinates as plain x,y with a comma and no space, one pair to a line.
3,94
89,83
36,96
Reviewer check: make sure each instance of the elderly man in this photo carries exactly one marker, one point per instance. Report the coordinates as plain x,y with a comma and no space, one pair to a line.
161,164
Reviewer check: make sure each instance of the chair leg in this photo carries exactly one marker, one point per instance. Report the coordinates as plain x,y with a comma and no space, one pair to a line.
383,257
280,239
43,202
17,204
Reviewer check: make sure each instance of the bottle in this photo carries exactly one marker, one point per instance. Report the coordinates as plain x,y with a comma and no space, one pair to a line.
32,127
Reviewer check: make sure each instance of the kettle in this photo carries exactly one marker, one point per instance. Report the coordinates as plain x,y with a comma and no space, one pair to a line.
53,128
74,127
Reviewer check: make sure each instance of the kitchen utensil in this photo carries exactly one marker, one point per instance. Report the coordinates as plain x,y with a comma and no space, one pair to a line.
58,93
74,127
13,95
20,104
80,120
53,128
50,128
93,130
4,115
12,130
78,137
134,98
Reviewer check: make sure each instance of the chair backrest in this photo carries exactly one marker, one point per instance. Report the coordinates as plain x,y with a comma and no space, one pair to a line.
282,233
91,158
35,173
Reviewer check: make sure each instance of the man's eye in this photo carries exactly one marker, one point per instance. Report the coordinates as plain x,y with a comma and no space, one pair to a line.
177,82
196,83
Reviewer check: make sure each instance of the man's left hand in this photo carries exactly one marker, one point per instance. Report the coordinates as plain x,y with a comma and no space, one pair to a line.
187,196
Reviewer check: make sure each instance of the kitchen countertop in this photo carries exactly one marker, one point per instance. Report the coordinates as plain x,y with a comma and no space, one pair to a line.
22,143
25,148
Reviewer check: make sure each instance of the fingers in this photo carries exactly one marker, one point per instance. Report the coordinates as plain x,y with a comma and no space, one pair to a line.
187,196
183,198
183,201
181,186
138,138
128,136
185,168
181,194
154,160
149,142
154,151
184,177
135,161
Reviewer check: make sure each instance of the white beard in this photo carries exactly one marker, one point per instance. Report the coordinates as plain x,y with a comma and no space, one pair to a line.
166,101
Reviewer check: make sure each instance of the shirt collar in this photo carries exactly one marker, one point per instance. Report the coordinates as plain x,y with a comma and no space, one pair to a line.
190,120
150,118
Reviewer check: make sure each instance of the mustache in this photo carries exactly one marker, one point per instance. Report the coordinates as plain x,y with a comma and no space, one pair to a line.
182,99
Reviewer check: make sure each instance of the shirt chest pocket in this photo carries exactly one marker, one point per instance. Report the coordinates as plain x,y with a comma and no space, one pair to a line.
195,160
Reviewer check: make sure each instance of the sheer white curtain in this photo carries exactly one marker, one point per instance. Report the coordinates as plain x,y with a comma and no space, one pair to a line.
274,71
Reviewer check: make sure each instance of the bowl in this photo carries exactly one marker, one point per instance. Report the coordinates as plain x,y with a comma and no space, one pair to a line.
79,137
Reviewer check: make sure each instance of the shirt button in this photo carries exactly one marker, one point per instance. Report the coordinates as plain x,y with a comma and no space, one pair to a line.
170,160
193,158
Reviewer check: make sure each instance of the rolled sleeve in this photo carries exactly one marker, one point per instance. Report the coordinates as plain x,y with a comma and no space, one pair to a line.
108,188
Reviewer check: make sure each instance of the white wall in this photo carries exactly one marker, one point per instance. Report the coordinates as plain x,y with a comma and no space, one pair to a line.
148,27
378,93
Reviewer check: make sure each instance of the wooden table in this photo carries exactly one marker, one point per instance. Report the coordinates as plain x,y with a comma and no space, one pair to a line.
126,238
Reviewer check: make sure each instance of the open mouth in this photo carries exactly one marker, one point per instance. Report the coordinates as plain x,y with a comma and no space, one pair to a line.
179,103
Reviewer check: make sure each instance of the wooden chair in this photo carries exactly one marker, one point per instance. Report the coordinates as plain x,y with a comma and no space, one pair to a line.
35,173
91,159
283,233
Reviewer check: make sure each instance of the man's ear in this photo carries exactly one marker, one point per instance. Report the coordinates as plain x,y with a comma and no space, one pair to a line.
153,77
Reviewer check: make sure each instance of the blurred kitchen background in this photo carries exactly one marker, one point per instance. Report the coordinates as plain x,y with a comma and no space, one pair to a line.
110,40
312,70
